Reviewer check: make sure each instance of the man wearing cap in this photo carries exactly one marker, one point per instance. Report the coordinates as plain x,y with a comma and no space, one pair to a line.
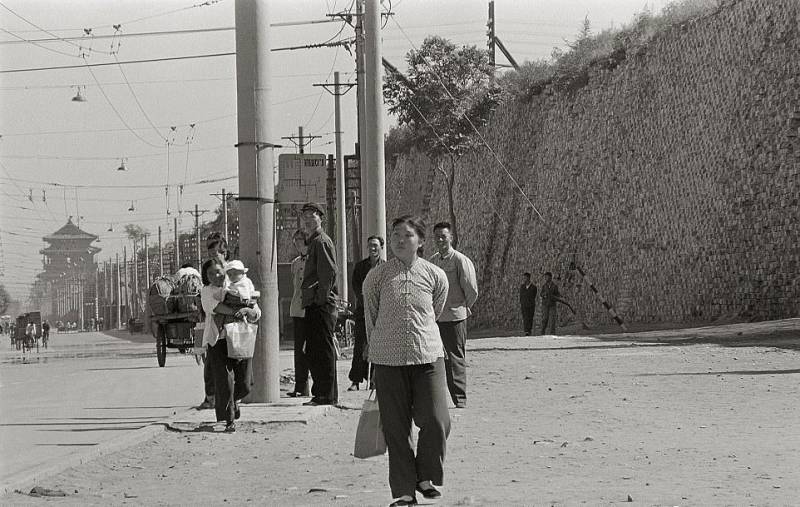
319,294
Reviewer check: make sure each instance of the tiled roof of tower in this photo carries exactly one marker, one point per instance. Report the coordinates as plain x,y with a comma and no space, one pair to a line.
69,231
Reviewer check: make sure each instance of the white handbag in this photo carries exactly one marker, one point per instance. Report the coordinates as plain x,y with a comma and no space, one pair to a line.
241,338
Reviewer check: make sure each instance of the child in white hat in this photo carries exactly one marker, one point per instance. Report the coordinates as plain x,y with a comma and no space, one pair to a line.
241,286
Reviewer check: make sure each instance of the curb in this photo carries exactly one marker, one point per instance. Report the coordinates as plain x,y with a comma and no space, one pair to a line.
21,480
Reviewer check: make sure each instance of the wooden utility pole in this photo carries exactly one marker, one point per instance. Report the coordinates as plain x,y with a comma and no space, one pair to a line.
257,187
146,264
125,280
341,218
302,141
135,298
375,197
160,254
196,214
119,297
361,111
177,246
490,33
224,197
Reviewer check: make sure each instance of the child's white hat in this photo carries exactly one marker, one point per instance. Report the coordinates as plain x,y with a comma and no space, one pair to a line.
237,265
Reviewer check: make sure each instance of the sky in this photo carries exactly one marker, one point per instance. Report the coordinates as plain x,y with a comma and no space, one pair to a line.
173,123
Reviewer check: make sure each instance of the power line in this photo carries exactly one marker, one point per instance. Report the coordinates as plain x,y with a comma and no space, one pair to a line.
64,185
148,155
23,39
49,33
174,58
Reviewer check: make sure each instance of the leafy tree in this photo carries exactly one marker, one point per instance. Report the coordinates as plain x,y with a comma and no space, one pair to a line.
5,299
446,91
135,232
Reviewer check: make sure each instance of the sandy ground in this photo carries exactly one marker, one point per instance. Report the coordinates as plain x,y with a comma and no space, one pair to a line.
551,421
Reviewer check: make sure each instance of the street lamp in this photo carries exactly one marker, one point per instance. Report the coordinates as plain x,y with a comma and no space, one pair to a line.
122,166
131,209
78,96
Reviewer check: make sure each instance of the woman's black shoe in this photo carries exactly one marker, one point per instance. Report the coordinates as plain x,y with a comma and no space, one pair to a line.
430,493
403,501
230,427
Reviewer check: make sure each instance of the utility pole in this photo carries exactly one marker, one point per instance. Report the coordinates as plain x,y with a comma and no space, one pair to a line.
160,255
196,215
341,218
490,25
125,278
146,264
257,186
224,198
375,196
177,246
302,141
119,297
361,111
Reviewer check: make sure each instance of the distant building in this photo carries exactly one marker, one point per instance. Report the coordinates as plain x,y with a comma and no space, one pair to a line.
68,278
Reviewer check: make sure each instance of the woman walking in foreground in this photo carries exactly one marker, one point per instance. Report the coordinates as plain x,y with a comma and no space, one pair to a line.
402,299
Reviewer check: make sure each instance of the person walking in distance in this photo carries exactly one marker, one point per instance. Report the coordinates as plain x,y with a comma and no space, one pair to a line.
359,369
550,297
297,313
402,299
462,294
319,294
527,303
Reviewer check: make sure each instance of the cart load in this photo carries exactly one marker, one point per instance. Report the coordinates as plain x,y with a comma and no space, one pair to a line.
174,307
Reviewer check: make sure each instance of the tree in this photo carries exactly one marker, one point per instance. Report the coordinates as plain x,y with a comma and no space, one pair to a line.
5,299
447,91
135,232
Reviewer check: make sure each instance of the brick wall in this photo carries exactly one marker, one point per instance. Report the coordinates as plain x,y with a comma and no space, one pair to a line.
672,179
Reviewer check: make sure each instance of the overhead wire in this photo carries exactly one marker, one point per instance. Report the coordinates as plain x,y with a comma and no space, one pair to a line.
22,39
79,46
136,98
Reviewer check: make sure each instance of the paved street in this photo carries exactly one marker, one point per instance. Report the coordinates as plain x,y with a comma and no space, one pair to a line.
86,389
704,416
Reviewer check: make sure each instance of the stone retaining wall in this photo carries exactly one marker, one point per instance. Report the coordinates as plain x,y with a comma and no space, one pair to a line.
672,179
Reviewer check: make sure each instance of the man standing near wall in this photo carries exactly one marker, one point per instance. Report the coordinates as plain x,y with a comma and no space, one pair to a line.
527,303
359,370
462,294
550,296
319,294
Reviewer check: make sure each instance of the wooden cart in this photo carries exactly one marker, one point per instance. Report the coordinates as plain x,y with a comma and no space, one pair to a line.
174,331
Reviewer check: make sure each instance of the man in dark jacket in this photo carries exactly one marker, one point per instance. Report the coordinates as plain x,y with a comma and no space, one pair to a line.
527,303
319,295
359,369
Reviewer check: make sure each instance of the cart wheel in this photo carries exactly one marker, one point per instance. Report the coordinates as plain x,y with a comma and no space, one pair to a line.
161,347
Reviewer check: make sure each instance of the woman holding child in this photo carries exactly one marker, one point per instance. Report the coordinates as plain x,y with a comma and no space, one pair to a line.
231,376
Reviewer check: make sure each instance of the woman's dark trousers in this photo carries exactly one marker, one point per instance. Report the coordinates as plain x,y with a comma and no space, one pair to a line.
231,380
321,355
415,393
300,361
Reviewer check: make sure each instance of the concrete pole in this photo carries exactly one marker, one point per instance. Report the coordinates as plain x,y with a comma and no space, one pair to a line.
225,216
257,187
197,234
160,254
300,139
119,298
375,196
361,110
135,298
341,218
125,281
146,264
177,246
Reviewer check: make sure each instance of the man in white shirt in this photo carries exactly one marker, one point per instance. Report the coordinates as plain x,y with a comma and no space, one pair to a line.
462,294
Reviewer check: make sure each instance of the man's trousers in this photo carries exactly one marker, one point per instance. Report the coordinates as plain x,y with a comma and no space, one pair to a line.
454,339
321,354
549,318
300,361
527,319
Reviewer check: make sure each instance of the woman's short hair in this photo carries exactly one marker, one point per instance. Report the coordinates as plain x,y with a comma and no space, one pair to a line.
206,266
379,238
413,221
